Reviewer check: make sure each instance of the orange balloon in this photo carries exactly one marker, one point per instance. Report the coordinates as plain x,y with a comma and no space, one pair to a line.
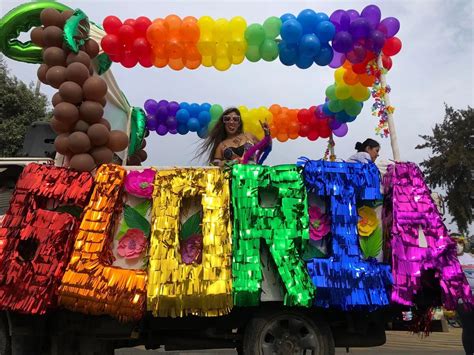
176,64
273,130
157,32
173,23
282,137
158,61
293,135
174,48
347,65
190,29
275,109
350,78
366,80
293,127
191,52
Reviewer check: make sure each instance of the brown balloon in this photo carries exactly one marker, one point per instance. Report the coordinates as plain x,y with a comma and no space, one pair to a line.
50,17
41,73
56,99
147,133
142,155
133,160
98,134
36,36
91,111
143,144
61,143
81,126
58,126
77,72
106,123
102,155
94,88
79,142
66,112
54,56
56,75
65,15
118,140
53,36
92,48
82,162
81,57
71,92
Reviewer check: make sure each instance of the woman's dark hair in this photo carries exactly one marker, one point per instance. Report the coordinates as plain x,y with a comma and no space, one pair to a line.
217,135
360,147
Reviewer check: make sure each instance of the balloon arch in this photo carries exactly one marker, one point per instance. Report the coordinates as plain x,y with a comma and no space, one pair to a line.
76,54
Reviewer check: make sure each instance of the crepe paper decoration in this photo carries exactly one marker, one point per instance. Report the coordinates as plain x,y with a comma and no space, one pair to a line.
140,183
345,280
132,244
177,289
319,223
35,243
371,246
368,221
91,284
283,227
409,208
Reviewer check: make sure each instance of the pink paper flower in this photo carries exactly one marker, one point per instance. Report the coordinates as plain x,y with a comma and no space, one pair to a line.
132,244
191,249
140,183
319,224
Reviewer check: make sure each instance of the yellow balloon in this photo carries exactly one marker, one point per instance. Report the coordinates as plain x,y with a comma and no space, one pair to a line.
221,31
343,91
206,26
238,47
339,75
360,92
238,59
222,50
206,46
243,111
207,61
222,63
238,25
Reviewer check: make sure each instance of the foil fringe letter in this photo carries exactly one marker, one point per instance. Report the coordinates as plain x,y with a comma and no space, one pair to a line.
91,284
35,243
177,289
283,227
409,208
345,280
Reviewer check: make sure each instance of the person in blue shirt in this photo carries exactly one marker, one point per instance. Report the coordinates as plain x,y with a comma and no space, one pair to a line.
367,151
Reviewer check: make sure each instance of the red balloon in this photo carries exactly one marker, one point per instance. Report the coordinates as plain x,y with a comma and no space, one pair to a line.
146,61
112,24
392,46
111,44
129,59
141,25
386,62
141,47
324,132
116,58
313,135
130,22
304,116
126,34
304,130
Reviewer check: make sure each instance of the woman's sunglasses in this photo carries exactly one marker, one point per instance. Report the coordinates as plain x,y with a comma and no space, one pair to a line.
227,119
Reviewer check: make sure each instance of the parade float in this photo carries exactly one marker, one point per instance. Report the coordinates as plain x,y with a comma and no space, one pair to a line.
301,256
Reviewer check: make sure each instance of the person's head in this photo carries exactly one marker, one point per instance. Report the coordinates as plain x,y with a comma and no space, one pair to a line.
370,146
228,125
460,245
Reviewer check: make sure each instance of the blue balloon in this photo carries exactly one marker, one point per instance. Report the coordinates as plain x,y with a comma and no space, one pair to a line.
304,62
287,17
291,31
321,16
182,129
309,45
204,118
206,106
182,116
326,110
202,133
194,110
307,18
288,53
325,31
344,117
325,55
193,124
184,105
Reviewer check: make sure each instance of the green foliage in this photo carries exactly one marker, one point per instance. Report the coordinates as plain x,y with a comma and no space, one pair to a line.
19,107
134,219
451,165
372,245
191,226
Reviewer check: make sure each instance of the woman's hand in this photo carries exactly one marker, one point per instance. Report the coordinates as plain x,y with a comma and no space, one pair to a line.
265,127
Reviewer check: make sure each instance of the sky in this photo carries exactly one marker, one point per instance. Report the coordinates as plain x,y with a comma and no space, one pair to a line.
434,67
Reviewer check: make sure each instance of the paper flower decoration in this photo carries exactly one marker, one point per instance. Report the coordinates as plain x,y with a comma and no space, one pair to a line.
132,244
368,221
319,224
140,183
191,249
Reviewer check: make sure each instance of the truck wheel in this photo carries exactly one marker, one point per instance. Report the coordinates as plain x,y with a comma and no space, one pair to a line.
287,332
5,343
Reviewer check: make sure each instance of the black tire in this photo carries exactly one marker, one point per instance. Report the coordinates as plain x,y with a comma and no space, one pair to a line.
287,332
5,341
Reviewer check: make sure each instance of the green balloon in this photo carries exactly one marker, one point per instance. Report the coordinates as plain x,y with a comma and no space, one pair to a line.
254,34
331,92
352,107
272,26
253,53
137,130
21,19
335,106
77,24
269,50
216,112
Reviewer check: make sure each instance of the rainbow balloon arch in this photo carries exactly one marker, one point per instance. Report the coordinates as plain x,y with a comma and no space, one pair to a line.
358,46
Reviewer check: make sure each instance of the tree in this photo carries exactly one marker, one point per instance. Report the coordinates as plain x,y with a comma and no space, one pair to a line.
452,164
19,107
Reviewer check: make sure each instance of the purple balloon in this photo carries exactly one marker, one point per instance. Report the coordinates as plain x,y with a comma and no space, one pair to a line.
338,60
173,107
173,131
372,14
357,55
334,124
151,123
389,26
376,41
162,130
151,106
342,42
341,20
341,131
353,14
171,123
163,103
162,113
359,28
